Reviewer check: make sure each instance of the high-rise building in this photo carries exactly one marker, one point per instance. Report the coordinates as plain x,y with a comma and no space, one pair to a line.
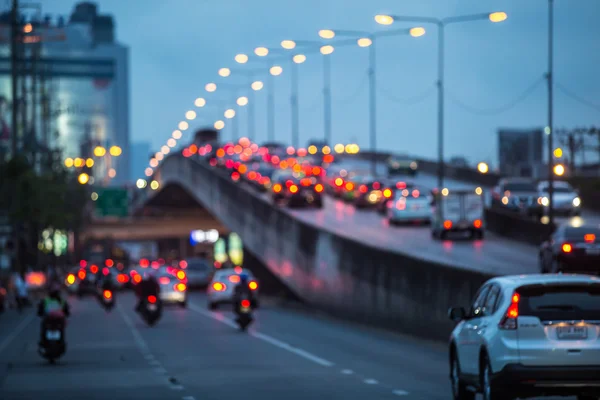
520,152
80,74
140,155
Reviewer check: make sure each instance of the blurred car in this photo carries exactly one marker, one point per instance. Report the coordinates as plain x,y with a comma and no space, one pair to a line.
572,249
410,205
173,289
368,193
458,211
222,286
565,199
35,281
352,180
388,190
199,271
528,336
294,190
262,181
516,194
333,180
402,165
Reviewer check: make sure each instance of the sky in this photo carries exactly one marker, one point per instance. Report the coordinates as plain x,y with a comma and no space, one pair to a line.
494,73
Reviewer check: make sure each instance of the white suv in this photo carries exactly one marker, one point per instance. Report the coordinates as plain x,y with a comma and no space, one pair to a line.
527,336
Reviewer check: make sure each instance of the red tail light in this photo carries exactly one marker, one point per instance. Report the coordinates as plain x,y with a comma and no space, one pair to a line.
362,189
235,176
234,279
238,269
107,294
328,158
105,271
253,285
401,185
109,263
180,287
589,238
318,188
305,182
401,205
82,263
447,224
144,263
477,223
219,287
567,248
186,152
252,175
164,280
122,278
415,193
193,149
183,264
339,182
81,274
151,299
349,186
316,171
376,185
137,278
181,275
94,269
294,189
509,321
155,264
245,303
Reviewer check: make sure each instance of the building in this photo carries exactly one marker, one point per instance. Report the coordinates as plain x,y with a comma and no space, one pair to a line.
80,74
140,155
520,153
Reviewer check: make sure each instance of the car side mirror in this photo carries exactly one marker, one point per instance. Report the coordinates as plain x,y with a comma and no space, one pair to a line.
457,314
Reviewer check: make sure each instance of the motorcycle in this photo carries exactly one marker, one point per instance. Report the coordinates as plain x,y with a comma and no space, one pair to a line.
53,344
107,299
151,310
244,318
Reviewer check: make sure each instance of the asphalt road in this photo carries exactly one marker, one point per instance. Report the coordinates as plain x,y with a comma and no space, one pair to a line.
194,354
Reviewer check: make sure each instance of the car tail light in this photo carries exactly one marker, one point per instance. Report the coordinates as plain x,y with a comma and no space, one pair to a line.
306,182
318,188
415,193
387,193
82,263
105,271
217,264
509,321
589,238
71,279
164,280
362,189
316,171
213,162
219,287
109,263
293,188
137,278
235,176
151,299
328,159
339,182
567,248
81,274
376,185
349,186
180,287
401,185
183,264
107,294
94,269
234,279
252,175
245,303
144,262
122,278
253,285
181,275
277,188
447,224
477,223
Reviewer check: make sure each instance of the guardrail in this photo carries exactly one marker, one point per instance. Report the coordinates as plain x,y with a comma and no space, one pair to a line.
514,226
338,275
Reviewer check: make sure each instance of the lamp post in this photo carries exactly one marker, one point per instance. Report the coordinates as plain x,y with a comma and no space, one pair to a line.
441,24
550,131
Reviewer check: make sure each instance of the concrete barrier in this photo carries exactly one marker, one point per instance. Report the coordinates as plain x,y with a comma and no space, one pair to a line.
338,275
514,226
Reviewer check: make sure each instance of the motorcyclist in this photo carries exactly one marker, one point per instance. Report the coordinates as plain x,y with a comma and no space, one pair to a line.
147,287
52,306
241,291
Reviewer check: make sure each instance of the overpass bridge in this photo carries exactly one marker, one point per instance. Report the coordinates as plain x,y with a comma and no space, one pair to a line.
349,262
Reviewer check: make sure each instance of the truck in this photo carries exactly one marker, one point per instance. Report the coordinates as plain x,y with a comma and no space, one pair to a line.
458,211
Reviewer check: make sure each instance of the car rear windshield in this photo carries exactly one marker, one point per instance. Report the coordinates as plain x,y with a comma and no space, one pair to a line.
561,302
520,187
580,234
558,189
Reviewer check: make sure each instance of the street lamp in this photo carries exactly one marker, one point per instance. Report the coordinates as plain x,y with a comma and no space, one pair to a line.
219,125
177,134
183,125
241,58
99,151
441,24
190,115
200,102
210,87
115,151
483,168
224,72
83,178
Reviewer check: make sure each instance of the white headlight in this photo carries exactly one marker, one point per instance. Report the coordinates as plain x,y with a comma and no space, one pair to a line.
576,202
545,201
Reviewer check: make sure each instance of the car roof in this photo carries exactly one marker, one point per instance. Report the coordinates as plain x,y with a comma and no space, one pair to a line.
541,279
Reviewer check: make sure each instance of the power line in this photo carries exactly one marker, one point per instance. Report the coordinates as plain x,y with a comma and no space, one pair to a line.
496,110
413,100
576,97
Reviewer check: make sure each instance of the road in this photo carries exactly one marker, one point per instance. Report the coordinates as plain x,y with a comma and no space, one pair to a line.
194,354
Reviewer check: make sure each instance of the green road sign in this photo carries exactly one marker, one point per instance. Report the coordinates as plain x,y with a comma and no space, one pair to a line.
112,202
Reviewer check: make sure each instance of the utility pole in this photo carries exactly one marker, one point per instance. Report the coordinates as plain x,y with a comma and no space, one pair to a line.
14,71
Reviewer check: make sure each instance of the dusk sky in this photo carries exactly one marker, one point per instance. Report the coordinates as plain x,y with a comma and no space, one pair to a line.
177,46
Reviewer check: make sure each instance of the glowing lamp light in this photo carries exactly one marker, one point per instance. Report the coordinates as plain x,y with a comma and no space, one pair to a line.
384,19
498,16
183,126
210,87
242,101
275,70
417,31
200,102
154,185
224,72
288,44
483,168
219,125
261,51
326,50
299,58
191,115
326,33
364,42
229,113
177,134
257,85
241,58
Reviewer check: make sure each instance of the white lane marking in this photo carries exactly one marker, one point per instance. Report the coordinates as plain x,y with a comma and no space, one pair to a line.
347,372
370,381
400,392
263,337
137,336
16,332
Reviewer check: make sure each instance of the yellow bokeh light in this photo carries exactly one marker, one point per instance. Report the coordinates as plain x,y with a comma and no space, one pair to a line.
176,134
312,149
275,70
257,85
210,87
326,50
288,44
115,151
558,153
339,148
183,126
478,191
191,115
229,113
200,102
78,162
28,28
299,58
261,51
384,19
326,33
241,58
364,42
417,31
483,168
94,196
154,185
83,178
326,150
559,169
445,192
99,151
68,162
224,72
219,125
89,163
242,101
498,16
